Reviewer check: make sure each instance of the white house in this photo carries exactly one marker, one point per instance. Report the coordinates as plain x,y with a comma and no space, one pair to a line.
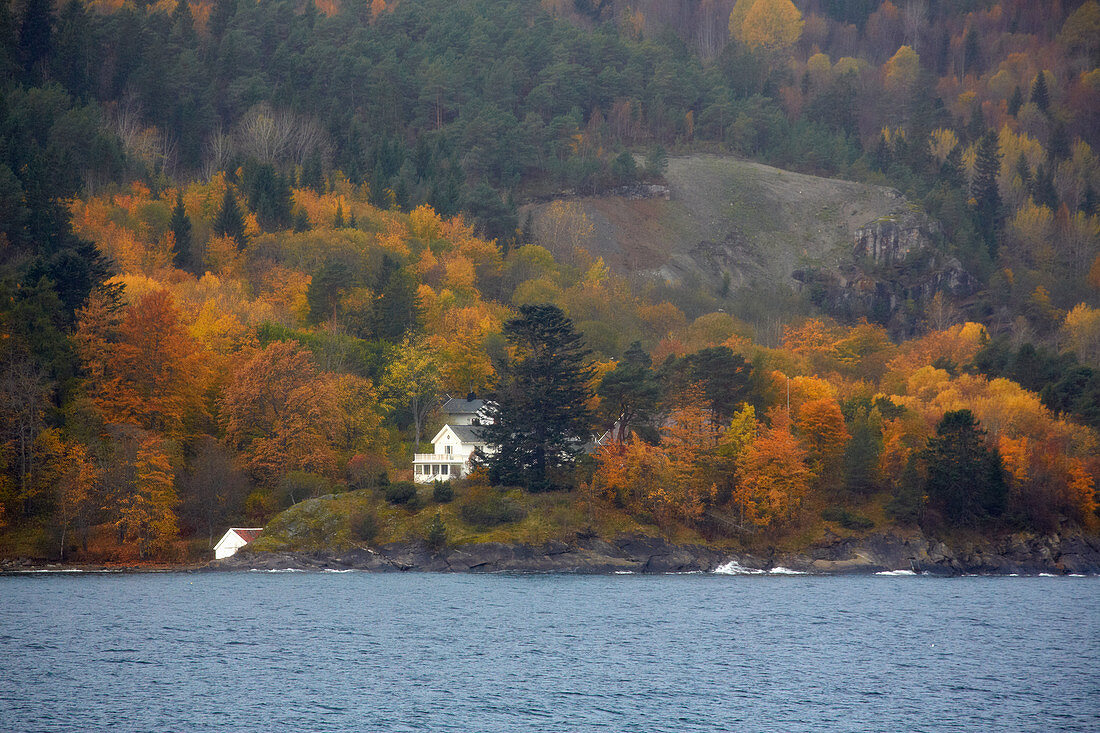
454,443
235,539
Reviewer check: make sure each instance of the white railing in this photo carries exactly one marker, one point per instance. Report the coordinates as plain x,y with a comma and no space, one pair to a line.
438,458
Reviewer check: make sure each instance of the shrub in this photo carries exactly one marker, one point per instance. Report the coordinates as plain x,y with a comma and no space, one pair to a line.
401,492
364,525
443,492
296,486
491,509
846,519
437,533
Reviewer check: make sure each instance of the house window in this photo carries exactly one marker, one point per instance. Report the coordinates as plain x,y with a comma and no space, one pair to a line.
419,470
443,469
435,469
448,449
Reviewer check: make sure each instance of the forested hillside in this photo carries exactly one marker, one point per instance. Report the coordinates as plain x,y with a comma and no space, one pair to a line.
246,246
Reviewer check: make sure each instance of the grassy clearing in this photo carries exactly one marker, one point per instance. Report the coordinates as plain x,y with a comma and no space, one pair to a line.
335,522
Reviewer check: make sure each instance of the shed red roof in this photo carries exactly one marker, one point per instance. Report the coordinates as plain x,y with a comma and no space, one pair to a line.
247,534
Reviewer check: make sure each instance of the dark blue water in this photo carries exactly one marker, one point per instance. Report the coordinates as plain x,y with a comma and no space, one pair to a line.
360,652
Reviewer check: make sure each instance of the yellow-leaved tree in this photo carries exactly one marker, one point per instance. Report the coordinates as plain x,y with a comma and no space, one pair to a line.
767,25
146,515
772,476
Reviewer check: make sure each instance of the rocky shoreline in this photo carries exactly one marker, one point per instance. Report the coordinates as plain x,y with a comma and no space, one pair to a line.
1010,554
1016,554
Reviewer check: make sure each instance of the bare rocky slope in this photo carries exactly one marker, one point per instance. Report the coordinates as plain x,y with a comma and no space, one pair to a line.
729,224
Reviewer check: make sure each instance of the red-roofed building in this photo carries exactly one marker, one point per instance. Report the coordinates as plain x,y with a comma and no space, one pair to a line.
235,539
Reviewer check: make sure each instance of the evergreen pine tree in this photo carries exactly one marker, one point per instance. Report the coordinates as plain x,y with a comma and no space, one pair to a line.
229,221
861,457
35,39
656,163
1023,170
1040,95
397,311
183,34
1089,200
540,419
965,482
1042,188
1015,101
985,190
301,221
9,49
975,128
268,196
907,503
1058,148
181,231
437,533
952,169
629,393
312,175
971,53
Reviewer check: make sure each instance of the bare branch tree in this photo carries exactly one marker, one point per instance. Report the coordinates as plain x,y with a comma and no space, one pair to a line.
217,151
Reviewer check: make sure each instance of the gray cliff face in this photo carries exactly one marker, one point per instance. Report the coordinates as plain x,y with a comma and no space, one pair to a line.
895,269
891,240
1020,553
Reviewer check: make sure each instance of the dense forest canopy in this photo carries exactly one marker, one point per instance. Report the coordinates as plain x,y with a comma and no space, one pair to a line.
245,246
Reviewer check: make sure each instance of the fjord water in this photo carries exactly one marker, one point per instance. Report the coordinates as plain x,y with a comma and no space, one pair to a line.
412,652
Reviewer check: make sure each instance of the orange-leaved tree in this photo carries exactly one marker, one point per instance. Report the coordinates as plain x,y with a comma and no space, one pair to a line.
280,413
772,476
142,365
821,426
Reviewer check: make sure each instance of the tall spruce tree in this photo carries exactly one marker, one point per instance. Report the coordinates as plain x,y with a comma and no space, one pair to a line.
35,39
986,191
966,482
1015,101
181,231
1040,95
541,417
861,456
229,221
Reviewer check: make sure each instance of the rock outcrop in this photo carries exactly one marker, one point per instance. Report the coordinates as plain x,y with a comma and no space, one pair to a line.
897,266
1019,553
584,555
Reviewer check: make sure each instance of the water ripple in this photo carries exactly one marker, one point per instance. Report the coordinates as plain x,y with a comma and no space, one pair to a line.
503,653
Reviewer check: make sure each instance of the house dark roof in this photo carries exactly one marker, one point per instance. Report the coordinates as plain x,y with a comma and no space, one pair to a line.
467,433
457,406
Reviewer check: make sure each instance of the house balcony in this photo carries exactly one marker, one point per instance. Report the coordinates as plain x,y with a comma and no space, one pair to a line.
438,458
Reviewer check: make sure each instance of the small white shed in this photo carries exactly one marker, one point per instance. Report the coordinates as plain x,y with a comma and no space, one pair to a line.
235,539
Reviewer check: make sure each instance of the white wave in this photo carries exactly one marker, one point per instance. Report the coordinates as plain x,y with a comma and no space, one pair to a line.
334,570
625,572
780,570
1047,575
896,572
735,568
52,570
276,570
